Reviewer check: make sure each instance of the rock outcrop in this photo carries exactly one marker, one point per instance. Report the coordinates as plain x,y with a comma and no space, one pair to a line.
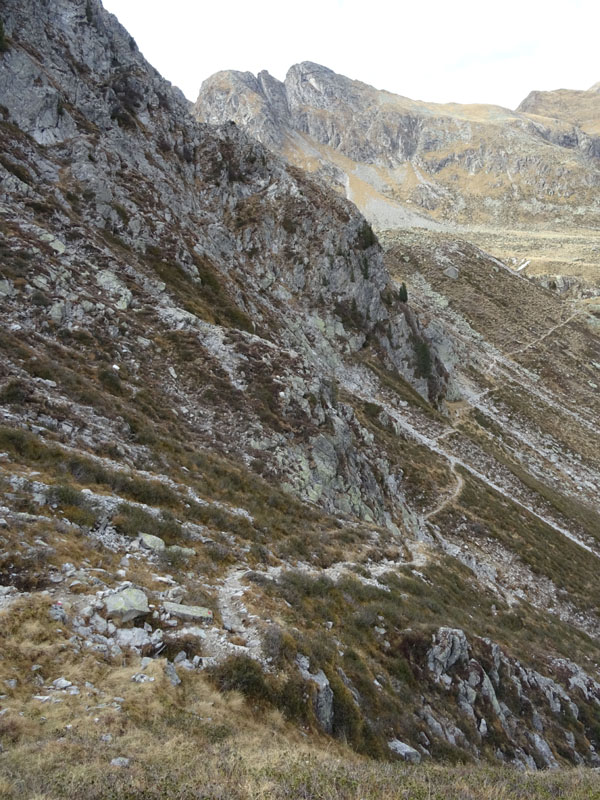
323,700
531,703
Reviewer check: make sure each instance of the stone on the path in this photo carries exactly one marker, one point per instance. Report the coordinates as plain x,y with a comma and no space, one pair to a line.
120,762
188,613
127,604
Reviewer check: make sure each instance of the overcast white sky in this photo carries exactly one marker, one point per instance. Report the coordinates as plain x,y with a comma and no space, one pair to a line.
465,51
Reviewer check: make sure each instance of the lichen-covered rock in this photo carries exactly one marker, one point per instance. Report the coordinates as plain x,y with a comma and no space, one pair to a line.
543,750
188,613
126,605
407,752
450,647
150,542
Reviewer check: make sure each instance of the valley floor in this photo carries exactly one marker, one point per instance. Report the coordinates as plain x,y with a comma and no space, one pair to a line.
573,254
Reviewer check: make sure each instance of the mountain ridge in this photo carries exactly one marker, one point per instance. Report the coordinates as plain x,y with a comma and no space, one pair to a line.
476,169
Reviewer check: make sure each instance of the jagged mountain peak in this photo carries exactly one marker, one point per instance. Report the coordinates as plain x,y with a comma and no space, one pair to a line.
311,67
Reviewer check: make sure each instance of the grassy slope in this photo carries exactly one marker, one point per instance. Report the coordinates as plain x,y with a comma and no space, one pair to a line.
194,742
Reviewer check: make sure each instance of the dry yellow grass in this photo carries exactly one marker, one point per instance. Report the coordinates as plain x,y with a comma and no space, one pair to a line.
191,741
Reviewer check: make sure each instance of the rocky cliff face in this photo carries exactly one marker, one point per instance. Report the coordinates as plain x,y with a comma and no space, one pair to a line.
224,436
407,162
209,221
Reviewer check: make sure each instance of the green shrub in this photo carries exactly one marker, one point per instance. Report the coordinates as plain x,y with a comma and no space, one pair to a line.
15,393
38,298
22,443
242,674
111,381
423,355
296,585
365,236
289,225
373,410
349,314
66,496
74,505
123,119
400,669
292,699
3,42
371,745
347,719
131,521
122,212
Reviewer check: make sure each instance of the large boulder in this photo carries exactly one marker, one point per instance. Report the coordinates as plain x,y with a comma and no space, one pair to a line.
127,604
150,542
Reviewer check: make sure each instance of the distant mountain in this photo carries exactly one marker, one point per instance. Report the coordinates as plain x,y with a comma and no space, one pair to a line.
581,109
406,162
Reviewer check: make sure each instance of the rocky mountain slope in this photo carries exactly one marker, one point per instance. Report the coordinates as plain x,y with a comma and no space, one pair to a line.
232,456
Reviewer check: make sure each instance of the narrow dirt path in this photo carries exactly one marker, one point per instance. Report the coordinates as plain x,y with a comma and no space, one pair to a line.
544,335
434,444
235,615
237,621
449,498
